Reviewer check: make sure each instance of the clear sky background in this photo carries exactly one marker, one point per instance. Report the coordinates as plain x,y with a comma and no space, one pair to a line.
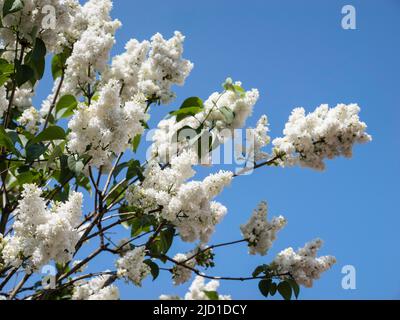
296,54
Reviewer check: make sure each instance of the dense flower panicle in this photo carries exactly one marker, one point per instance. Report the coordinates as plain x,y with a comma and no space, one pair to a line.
261,233
23,97
223,112
95,37
105,128
164,67
96,289
52,20
198,290
257,138
30,119
132,267
181,274
303,265
240,104
41,234
126,67
324,134
151,68
187,205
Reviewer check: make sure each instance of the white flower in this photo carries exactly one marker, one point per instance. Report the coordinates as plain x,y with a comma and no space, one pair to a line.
96,289
41,234
186,204
324,134
181,274
303,265
36,16
198,290
163,68
132,267
259,232
257,139
30,119
105,128
94,32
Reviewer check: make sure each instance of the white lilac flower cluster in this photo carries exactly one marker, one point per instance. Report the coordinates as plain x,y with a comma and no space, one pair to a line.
41,234
51,19
151,68
23,97
131,266
261,233
94,32
323,134
105,128
198,291
187,205
96,289
30,119
256,139
223,112
182,273
303,265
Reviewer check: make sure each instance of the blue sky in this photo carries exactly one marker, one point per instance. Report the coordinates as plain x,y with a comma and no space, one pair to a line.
296,54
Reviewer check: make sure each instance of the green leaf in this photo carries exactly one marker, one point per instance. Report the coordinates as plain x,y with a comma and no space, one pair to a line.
136,142
66,106
212,295
6,141
56,67
192,102
36,58
50,134
189,107
295,287
154,269
75,165
24,74
186,112
34,151
12,6
6,70
273,288
134,170
166,239
228,114
260,269
265,286
58,63
285,290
